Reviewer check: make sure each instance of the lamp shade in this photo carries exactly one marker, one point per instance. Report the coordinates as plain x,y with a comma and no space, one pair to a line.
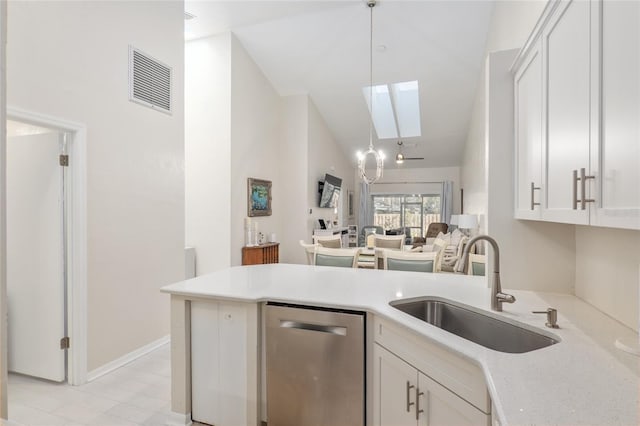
468,221
454,219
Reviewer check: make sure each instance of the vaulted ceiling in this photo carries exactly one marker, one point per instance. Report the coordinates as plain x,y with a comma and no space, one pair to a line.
321,48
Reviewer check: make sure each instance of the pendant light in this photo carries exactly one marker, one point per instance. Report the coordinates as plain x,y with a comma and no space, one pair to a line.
399,155
377,156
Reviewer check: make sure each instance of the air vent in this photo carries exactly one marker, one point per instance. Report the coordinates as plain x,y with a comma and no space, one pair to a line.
149,81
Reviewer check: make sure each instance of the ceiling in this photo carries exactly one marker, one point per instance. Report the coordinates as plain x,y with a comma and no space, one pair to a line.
321,48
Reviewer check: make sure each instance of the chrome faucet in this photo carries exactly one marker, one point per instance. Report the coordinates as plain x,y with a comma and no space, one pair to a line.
497,296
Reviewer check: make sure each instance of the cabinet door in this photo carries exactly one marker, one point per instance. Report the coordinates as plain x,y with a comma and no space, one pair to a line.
617,164
224,363
566,62
441,407
528,130
394,391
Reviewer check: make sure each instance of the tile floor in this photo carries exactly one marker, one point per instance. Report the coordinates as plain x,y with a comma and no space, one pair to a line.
137,394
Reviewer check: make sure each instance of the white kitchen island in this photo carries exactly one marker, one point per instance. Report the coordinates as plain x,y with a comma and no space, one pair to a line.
581,380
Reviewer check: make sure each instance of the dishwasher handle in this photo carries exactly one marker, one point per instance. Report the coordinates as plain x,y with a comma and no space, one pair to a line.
330,329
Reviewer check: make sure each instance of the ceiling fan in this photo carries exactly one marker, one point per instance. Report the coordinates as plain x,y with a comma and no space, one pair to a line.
400,157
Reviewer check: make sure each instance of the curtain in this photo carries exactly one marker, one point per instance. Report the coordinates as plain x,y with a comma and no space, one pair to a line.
446,205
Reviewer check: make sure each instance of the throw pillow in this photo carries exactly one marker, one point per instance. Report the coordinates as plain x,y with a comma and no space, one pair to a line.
456,236
444,237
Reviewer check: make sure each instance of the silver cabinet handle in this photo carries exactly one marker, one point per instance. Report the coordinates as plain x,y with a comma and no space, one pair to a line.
331,329
418,410
574,203
534,188
409,403
583,188
583,200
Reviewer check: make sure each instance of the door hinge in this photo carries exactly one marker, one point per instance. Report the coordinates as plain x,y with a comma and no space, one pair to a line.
64,160
65,343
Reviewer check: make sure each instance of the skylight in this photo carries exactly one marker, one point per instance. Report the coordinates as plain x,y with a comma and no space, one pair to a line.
396,111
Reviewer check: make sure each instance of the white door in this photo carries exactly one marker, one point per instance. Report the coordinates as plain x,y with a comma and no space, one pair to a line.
568,88
35,262
394,394
438,406
618,164
528,122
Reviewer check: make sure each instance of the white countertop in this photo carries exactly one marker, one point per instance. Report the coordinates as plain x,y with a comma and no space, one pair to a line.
581,380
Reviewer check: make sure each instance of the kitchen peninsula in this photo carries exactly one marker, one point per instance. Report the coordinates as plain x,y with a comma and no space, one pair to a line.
216,343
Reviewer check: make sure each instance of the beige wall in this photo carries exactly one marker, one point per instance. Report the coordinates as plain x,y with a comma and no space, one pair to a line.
295,145
256,137
237,126
70,60
208,151
325,156
607,271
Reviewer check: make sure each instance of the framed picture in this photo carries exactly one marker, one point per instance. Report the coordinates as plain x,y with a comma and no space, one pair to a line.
350,206
259,197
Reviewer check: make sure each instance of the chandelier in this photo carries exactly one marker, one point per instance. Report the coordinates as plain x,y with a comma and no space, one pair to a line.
378,157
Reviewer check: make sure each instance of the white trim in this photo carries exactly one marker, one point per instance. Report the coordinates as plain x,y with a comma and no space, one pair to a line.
535,33
77,258
3,218
126,359
178,419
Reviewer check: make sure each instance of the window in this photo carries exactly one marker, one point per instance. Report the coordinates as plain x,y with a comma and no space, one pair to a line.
412,211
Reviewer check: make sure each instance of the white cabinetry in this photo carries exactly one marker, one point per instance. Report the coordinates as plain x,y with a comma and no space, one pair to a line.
418,383
224,360
406,397
617,159
528,113
588,53
566,50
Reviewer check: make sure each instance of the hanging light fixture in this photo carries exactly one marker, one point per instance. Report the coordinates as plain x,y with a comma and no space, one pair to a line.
377,156
399,155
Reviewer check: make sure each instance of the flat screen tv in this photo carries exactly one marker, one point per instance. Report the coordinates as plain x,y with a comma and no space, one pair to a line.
329,192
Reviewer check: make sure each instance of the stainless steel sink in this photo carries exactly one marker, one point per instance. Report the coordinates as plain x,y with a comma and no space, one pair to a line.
476,327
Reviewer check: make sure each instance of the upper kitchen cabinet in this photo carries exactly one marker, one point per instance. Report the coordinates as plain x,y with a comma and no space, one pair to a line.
589,97
528,113
566,99
616,149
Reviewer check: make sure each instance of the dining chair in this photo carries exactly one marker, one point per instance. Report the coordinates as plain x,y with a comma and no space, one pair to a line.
309,249
366,230
476,264
410,261
328,241
345,258
392,242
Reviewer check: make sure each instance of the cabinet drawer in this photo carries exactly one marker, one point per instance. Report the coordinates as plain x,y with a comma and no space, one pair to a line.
451,370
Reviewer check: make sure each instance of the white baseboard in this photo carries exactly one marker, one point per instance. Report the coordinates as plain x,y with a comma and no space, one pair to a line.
178,419
126,359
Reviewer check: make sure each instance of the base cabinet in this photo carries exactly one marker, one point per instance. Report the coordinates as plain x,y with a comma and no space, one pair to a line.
224,363
405,396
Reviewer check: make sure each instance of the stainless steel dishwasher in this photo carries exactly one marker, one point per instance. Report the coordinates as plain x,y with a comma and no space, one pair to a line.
315,366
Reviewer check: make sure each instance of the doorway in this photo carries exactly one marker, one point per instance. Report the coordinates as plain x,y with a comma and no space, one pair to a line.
46,247
36,251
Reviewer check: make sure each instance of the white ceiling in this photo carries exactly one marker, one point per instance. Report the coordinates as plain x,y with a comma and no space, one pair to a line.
321,48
